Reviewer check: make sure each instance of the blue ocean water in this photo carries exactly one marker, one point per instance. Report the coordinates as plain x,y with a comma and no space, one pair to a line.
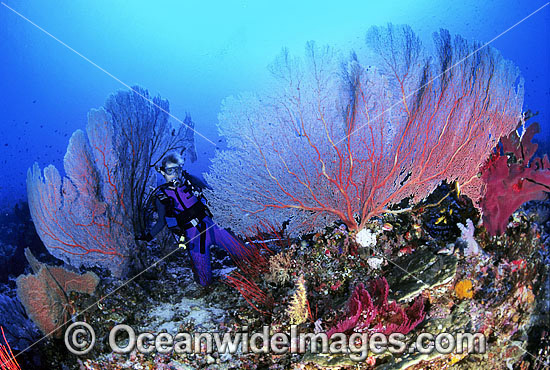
62,58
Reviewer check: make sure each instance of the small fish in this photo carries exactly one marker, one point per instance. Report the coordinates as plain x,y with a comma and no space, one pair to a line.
442,218
387,227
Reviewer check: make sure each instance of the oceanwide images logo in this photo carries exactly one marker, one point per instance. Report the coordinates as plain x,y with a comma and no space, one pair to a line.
80,339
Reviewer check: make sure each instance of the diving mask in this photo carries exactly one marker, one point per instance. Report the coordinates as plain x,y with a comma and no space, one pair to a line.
171,170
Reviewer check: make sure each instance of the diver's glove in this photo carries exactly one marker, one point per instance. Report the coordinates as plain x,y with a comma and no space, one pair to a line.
181,242
144,237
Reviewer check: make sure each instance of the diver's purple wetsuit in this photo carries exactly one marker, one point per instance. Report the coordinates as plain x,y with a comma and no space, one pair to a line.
181,209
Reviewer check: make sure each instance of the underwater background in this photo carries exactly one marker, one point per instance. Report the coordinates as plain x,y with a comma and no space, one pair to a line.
60,59
195,55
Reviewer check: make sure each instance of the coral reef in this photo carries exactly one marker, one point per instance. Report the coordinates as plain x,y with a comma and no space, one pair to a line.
501,299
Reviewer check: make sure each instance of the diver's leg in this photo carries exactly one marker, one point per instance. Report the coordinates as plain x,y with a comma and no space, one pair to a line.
199,252
231,244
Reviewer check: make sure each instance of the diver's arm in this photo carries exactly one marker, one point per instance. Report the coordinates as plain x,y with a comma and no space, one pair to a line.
161,221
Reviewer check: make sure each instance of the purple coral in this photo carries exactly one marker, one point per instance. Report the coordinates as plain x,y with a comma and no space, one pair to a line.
371,312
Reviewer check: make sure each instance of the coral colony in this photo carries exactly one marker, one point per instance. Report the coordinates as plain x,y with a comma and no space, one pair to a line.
394,195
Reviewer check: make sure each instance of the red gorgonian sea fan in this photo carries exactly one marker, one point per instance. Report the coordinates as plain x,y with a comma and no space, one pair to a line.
89,216
343,137
371,312
82,218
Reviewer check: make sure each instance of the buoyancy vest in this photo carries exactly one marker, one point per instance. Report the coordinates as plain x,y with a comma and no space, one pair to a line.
184,206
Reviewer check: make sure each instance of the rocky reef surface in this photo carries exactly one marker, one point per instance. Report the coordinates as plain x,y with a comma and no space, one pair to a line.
465,282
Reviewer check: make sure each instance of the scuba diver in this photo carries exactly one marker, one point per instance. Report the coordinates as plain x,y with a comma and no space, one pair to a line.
181,206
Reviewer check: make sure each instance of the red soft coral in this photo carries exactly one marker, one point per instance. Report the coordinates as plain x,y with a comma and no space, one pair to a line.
511,181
